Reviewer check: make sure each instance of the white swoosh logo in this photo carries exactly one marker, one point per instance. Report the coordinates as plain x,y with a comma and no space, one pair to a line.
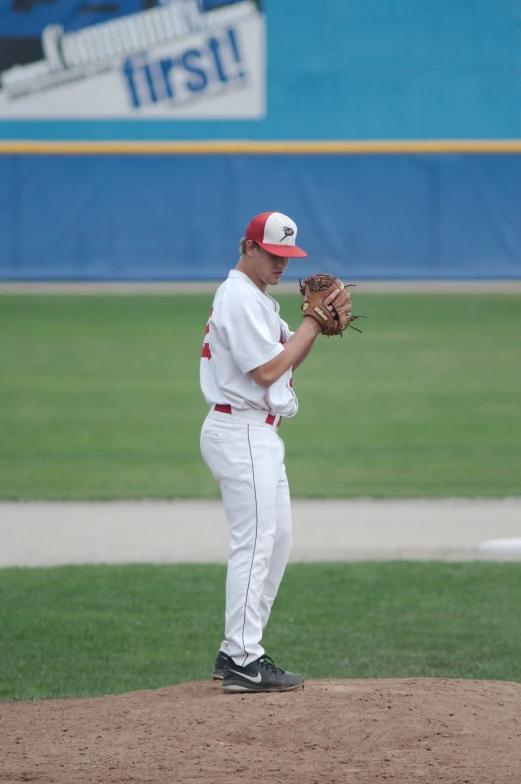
255,678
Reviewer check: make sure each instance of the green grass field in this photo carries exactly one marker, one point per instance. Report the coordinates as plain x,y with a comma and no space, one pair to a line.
80,631
99,398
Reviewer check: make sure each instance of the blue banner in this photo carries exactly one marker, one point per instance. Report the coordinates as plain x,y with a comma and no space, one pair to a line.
414,69
174,60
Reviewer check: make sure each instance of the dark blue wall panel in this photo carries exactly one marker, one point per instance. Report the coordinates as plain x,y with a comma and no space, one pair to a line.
8,201
180,217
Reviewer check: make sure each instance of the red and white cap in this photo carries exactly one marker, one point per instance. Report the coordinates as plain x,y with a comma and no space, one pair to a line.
276,233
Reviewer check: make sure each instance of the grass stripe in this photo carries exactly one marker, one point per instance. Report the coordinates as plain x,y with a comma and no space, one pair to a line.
100,399
81,631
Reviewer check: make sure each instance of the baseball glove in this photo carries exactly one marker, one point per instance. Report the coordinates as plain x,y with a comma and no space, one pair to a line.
315,290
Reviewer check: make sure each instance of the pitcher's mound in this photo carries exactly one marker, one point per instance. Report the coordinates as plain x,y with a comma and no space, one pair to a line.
366,731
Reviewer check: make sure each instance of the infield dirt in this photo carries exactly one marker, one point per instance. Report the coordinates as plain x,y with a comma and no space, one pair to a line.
331,731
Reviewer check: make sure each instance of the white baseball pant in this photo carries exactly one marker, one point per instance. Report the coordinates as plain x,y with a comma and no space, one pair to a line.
246,458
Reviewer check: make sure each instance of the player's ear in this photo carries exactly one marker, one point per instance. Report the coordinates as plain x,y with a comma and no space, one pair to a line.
251,248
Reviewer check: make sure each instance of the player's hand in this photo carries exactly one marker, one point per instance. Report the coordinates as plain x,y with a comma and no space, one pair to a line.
339,301
328,301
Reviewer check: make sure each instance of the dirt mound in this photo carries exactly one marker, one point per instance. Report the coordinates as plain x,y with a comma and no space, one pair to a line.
361,731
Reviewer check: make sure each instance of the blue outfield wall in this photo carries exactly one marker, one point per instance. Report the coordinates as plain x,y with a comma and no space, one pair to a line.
180,217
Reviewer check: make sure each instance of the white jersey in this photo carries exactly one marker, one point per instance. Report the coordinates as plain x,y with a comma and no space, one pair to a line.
244,331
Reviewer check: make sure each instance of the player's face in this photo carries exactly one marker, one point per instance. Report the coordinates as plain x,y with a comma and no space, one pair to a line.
268,268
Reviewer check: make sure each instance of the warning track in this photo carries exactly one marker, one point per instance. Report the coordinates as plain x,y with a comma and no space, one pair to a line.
47,533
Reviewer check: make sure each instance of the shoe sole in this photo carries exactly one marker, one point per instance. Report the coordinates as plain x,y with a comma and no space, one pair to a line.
217,676
236,688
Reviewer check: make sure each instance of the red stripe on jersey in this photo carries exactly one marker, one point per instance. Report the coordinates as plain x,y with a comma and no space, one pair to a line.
291,382
206,353
207,330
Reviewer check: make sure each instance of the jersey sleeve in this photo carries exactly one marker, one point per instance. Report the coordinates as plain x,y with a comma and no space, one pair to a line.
249,326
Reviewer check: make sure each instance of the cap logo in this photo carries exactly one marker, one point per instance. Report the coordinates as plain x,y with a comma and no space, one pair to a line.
288,232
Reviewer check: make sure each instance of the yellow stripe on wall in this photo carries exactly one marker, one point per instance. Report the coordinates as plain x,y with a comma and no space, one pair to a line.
256,147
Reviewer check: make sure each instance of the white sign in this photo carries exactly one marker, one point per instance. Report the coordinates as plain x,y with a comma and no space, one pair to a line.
173,61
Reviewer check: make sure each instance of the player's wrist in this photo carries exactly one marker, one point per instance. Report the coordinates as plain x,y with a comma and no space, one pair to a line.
311,324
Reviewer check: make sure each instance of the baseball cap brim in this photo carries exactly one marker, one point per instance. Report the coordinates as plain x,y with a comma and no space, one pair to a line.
285,251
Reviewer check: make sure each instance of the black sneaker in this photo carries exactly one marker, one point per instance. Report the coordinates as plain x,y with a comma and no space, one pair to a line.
218,667
260,675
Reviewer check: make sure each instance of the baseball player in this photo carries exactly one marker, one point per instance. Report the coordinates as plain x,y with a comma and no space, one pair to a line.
247,364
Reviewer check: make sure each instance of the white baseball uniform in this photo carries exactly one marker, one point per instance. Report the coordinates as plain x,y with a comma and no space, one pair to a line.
241,446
